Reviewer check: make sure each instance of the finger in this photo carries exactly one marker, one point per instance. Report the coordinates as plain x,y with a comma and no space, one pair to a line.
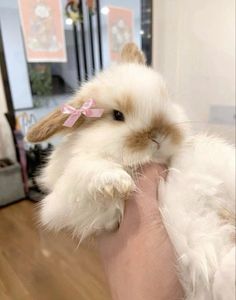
149,177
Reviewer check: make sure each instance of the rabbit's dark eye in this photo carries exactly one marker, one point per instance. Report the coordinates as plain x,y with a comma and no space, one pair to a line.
118,116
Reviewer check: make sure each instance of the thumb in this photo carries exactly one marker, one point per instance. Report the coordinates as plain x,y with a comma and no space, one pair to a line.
149,177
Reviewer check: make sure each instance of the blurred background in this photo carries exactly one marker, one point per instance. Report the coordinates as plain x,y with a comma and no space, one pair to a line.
48,48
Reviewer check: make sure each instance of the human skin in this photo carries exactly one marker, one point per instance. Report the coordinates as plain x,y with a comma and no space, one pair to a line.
138,259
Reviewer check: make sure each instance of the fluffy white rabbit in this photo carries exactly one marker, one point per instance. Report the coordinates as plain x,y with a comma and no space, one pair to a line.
91,173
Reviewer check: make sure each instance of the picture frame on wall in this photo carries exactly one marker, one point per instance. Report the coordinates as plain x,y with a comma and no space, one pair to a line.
120,24
43,30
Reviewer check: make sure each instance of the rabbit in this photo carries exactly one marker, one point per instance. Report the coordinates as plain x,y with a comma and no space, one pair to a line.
91,174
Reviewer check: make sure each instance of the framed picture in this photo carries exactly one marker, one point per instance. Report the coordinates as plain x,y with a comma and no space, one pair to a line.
120,24
43,30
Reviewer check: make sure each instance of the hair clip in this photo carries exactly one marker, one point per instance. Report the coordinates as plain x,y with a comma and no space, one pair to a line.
85,109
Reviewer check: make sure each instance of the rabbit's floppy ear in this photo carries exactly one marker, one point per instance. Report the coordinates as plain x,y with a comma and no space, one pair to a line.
51,124
132,54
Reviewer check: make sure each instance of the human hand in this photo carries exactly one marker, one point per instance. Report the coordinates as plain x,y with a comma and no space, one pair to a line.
138,259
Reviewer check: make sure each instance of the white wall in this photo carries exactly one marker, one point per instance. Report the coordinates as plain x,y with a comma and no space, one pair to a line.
194,49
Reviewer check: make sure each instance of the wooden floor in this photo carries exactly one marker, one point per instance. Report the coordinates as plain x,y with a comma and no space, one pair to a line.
38,265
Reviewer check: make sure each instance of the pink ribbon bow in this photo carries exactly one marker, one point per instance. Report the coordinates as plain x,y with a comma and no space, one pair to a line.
85,109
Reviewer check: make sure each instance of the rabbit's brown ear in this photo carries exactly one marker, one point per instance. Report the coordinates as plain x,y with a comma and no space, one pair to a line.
132,54
45,128
48,126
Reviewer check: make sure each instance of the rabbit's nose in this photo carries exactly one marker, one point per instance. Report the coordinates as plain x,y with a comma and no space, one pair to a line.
156,142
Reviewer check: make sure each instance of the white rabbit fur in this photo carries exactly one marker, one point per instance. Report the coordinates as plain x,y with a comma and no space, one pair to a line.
91,173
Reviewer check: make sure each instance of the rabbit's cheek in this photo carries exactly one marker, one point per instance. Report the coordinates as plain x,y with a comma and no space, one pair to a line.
137,141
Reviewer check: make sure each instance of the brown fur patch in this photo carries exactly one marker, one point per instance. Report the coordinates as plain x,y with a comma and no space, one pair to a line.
138,140
52,124
227,216
46,127
159,125
162,126
125,104
131,54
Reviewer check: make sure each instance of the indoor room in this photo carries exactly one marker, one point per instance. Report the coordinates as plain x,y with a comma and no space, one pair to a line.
117,149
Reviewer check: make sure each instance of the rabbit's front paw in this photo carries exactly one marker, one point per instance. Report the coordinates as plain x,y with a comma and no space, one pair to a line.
113,184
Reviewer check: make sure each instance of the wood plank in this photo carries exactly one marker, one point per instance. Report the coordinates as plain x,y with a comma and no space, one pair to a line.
43,265
10,285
